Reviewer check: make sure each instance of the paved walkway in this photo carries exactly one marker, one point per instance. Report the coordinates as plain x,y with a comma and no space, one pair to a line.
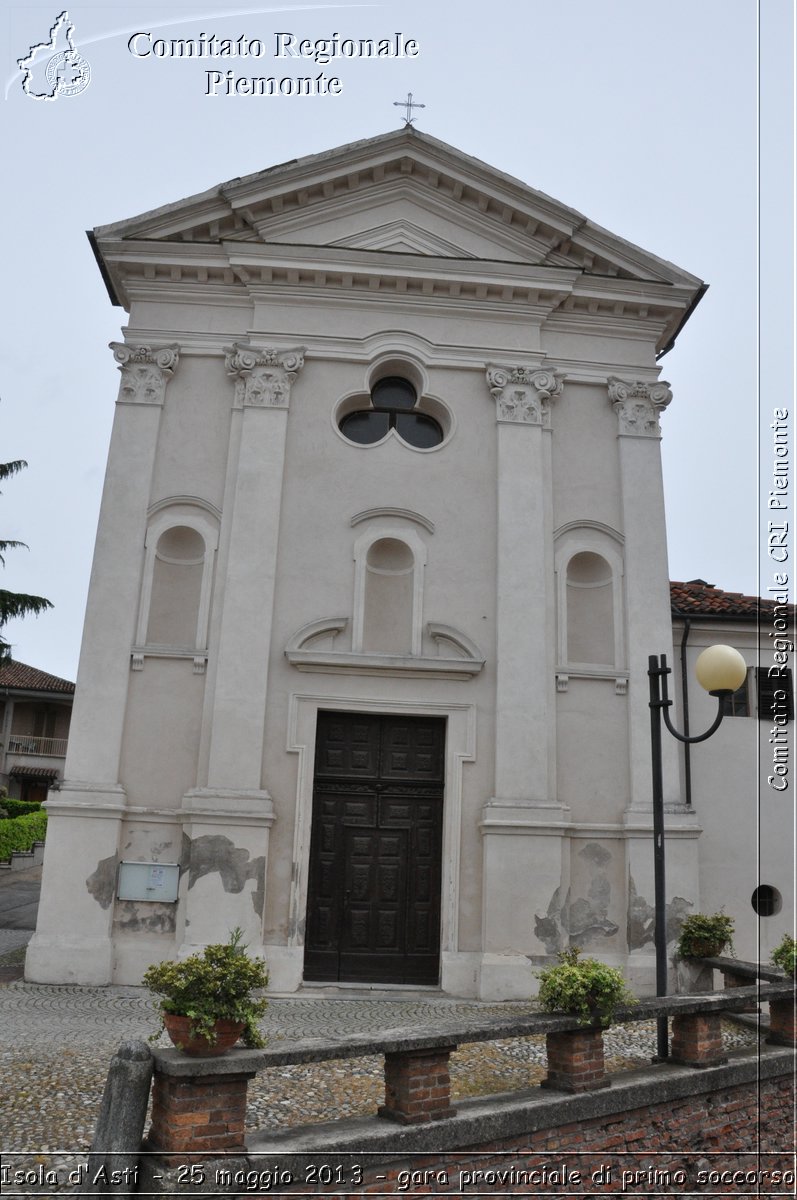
19,903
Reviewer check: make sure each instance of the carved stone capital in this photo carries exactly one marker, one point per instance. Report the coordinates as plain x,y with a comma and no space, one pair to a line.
523,395
263,377
638,405
145,371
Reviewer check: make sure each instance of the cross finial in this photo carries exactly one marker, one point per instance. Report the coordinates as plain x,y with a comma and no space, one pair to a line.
409,104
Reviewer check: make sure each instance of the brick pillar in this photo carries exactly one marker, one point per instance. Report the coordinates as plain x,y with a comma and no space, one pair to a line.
575,1061
697,1039
417,1086
199,1104
783,1022
732,980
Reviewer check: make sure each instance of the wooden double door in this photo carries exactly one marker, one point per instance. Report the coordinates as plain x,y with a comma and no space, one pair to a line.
373,911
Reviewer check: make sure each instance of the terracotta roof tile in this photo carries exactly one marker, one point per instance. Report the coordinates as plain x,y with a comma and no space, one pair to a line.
696,598
20,675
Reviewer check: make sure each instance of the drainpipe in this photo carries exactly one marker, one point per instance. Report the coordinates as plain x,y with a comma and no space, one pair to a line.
685,706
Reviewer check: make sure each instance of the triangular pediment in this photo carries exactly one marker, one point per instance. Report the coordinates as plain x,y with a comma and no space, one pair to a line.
403,192
403,237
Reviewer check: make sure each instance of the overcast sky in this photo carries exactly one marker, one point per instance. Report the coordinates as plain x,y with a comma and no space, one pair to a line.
641,114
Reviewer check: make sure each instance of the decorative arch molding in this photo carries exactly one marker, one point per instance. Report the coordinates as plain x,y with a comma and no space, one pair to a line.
194,501
406,514
603,543
599,526
177,512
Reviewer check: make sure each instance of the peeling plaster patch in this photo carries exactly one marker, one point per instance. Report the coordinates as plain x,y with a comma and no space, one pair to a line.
259,894
595,853
642,918
589,916
552,928
212,852
102,884
130,917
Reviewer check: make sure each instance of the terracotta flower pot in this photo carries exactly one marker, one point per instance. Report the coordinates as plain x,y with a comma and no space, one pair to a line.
179,1030
703,948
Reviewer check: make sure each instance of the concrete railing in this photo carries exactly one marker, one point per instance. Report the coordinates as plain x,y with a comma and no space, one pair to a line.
199,1104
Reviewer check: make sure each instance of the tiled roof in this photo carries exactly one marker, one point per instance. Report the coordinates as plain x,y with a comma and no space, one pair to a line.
20,675
696,598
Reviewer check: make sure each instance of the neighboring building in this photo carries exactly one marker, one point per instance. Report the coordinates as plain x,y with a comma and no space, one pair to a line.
35,709
740,783
380,562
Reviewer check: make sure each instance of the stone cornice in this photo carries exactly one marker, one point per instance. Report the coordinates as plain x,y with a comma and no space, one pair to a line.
145,371
638,405
236,273
523,395
263,376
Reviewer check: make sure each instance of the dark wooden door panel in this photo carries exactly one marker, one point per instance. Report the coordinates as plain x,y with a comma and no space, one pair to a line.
375,855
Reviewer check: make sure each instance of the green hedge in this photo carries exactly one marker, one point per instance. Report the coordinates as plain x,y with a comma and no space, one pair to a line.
19,833
20,808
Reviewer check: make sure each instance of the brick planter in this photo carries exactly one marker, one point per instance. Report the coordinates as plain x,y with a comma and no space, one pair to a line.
199,1104
783,1022
417,1086
697,1039
575,1061
732,980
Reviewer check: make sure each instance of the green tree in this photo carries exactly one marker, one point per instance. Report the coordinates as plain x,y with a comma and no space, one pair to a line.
15,604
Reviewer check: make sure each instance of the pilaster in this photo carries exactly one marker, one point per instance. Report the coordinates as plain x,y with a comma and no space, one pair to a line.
638,405
263,379
95,734
522,825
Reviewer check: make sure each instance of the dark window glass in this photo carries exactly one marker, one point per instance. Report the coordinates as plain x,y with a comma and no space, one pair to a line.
393,392
737,704
365,427
766,900
392,398
419,430
775,695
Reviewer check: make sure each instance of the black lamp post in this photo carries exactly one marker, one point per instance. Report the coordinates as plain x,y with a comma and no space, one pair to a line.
720,670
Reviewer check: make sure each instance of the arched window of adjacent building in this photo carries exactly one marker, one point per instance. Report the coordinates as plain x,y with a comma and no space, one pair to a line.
178,576
388,597
589,570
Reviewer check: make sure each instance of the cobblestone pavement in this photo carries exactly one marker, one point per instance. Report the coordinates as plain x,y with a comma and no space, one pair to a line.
56,1043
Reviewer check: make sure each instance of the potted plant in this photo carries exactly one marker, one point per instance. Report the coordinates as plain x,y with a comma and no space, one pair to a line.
207,1000
704,936
589,989
785,955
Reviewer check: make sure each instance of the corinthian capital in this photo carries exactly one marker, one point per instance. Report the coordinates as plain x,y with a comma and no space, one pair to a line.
145,371
523,395
638,405
263,377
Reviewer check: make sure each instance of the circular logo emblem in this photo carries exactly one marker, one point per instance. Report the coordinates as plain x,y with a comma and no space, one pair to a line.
68,73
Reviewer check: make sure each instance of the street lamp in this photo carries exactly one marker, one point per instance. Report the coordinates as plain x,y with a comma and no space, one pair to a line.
720,670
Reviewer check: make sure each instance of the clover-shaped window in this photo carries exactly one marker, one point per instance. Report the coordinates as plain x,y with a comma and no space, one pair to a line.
393,406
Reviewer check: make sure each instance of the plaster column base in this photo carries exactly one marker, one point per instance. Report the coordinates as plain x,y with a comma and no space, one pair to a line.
526,858
459,973
84,962
224,859
507,977
72,943
285,967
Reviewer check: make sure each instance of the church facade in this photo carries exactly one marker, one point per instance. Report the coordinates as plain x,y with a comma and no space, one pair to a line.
380,563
